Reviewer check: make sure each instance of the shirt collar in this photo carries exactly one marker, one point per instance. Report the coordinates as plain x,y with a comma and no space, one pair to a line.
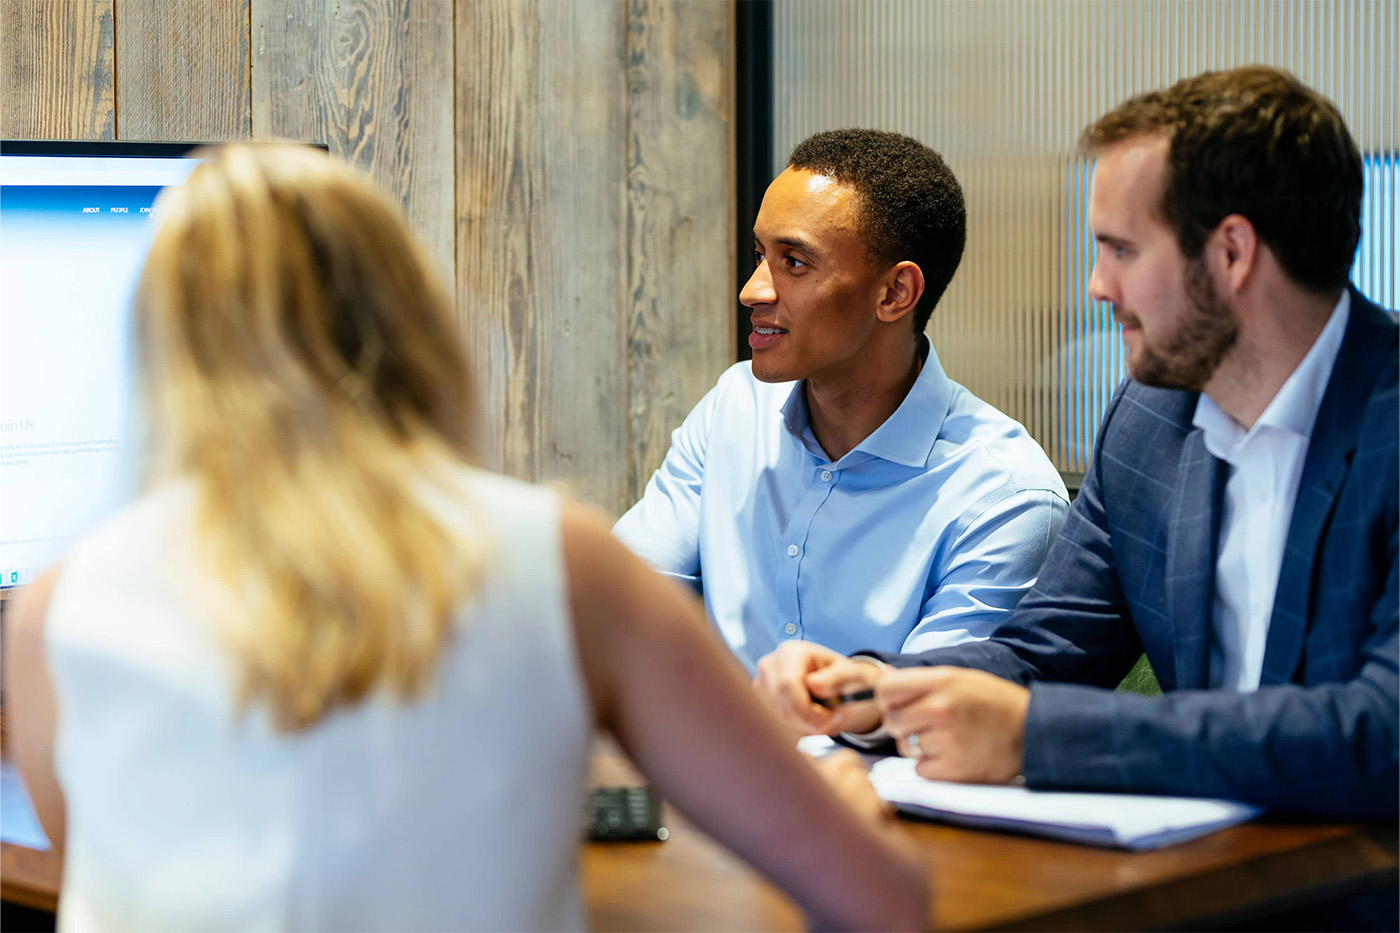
1294,408
908,435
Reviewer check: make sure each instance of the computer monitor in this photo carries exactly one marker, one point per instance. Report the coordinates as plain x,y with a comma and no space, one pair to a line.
75,225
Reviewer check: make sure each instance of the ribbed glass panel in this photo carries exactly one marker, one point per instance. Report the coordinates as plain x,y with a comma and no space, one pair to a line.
1002,89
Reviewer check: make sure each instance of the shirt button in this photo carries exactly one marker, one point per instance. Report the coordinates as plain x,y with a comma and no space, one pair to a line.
826,476
792,550
790,628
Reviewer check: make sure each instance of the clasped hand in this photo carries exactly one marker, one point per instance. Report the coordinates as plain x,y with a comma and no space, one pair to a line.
959,724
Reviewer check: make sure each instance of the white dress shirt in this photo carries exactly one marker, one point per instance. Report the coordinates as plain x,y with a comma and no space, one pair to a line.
1265,465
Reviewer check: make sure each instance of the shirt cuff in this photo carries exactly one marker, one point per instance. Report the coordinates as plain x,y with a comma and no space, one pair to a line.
878,736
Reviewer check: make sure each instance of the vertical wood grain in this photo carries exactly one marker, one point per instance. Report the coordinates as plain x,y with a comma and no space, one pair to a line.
541,236
182,69
372,79
56,69
680,217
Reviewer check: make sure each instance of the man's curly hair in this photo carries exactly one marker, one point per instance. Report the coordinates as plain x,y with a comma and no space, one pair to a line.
911,206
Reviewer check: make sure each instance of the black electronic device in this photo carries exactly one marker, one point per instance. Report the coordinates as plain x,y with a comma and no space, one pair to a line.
624,814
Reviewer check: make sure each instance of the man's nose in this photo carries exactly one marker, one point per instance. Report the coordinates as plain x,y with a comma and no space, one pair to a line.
758,290
1100,285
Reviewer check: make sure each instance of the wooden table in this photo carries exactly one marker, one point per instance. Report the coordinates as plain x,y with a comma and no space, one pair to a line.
993,881
982,880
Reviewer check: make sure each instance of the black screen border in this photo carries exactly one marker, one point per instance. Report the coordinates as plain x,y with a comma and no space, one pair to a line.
117,148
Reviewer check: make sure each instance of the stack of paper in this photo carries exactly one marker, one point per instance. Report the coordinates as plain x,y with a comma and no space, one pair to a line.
1127,821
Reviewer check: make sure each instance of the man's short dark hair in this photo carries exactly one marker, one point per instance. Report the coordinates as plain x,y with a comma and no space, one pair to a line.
911,206
1253,141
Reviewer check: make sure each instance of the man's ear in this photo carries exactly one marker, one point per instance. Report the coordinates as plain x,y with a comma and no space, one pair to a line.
1233,252
903,286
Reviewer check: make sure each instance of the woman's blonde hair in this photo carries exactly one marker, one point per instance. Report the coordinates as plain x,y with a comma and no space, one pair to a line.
301,367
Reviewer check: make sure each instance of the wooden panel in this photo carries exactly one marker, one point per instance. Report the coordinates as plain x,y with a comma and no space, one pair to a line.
541,240
373,80
183,70
680,188
56,67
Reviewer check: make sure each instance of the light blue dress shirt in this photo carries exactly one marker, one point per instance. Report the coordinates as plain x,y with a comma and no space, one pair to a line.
926,534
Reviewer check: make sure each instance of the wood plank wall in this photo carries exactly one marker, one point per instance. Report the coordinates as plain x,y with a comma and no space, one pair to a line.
569,165
372,79
57,70
182,70
530,294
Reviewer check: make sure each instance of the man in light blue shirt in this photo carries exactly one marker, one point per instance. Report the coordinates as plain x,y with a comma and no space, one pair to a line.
841,488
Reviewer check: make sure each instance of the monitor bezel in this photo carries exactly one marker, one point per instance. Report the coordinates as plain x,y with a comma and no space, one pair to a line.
106,148
121,148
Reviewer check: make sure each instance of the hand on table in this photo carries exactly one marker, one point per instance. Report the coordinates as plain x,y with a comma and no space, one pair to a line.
794,677
958,724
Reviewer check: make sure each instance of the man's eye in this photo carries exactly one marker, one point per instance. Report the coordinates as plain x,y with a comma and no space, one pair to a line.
793,262
757,259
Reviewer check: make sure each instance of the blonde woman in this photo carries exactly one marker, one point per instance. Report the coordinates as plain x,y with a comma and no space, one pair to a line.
324,673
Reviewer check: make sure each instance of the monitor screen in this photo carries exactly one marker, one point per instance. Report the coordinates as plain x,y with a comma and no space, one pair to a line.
74,229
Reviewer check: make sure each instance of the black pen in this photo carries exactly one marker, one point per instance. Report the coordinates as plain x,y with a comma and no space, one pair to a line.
854,697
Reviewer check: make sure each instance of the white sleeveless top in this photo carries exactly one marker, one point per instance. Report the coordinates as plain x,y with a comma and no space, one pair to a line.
459,811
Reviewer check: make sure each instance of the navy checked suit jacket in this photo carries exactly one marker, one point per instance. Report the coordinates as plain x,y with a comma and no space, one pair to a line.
1133,570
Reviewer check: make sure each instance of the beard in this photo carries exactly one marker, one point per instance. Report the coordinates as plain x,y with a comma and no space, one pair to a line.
1188,355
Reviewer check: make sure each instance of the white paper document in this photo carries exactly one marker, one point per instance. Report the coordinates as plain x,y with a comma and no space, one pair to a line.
1126,821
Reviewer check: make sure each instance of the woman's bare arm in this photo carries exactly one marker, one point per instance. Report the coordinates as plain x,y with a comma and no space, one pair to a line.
682,708
30,710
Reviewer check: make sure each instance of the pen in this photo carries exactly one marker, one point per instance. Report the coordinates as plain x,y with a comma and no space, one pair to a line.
854,697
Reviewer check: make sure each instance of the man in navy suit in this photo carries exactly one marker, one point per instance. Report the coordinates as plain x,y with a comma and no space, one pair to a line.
1239,521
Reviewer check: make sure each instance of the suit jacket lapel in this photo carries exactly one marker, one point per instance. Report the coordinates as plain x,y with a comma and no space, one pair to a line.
1364,349
1190,571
